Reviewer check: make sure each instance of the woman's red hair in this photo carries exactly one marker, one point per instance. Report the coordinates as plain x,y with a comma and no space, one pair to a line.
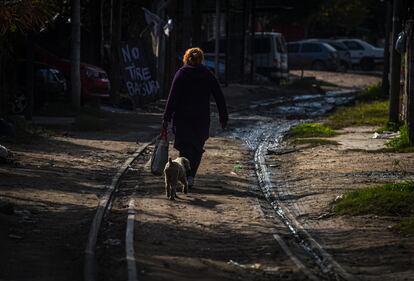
193,56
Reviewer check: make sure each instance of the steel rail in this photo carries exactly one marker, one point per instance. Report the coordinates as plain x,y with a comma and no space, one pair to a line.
103,206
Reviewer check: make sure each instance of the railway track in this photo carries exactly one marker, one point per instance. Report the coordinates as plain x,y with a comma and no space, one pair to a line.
112,230
103,233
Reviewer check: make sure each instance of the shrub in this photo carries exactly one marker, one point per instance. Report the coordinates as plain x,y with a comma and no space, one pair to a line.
308,130
402,141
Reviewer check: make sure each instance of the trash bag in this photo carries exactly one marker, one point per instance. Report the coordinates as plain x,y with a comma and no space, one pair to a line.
400,44
159,156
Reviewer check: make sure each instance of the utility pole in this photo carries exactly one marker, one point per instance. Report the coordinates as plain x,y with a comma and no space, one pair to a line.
386,69
75,54
115,47
410,81
227,69
244,44
252,35
217,45
172,48
28,113
196,23
395,70
187,24
161,77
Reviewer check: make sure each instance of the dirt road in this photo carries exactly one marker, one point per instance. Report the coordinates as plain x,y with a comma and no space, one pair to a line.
224,229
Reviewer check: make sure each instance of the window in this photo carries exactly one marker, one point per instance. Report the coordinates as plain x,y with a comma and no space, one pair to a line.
337,46
280,44
293,48
311,48
262,45
352,45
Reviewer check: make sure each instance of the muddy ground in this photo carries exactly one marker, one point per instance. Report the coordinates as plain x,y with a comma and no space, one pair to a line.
218,231
312,178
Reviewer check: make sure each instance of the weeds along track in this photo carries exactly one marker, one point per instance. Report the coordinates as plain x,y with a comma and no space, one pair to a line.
319,265
111,234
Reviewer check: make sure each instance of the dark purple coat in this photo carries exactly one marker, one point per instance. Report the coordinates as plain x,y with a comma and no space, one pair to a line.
188,105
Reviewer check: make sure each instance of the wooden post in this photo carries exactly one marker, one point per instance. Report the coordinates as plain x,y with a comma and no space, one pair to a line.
386,69
161,52
28,113
227,69
395,70
252,36
217,42
75,54
196,24
410,81
187,24
244,30
171,50
115,47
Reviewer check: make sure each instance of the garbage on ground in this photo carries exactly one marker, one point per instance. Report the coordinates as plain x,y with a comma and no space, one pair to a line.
339,197
245,266
4,152
14,236
385,135
113,242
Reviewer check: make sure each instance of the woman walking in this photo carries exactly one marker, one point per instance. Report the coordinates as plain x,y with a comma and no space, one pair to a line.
188,107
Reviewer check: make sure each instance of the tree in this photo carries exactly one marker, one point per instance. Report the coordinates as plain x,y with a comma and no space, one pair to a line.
75,54
115,46
19,17
395,70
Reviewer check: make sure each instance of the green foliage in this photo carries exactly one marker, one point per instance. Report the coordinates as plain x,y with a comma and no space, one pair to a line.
388,199
374,113
402,141
344,13
371,93
237,168
389,127
309,130
25,15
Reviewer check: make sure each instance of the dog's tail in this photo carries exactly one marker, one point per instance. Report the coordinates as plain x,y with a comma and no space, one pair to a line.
170,160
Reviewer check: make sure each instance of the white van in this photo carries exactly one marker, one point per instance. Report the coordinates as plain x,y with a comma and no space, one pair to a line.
271,57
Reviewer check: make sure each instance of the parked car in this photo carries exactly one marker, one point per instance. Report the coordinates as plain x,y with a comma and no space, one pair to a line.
48,84
344,55
312,55
270,55
271,58
363,54
94,80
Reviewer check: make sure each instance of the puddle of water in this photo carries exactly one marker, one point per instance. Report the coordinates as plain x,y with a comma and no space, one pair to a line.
304,105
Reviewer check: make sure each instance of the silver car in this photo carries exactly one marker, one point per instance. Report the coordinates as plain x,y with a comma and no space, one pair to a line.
312,55
344,54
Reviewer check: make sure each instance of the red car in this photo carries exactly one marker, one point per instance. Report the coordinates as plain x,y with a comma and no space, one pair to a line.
94,80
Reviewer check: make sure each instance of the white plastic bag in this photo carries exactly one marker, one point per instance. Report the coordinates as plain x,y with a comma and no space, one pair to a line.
160,155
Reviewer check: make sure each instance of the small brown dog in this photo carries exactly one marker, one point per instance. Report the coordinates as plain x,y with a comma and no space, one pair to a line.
174,172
